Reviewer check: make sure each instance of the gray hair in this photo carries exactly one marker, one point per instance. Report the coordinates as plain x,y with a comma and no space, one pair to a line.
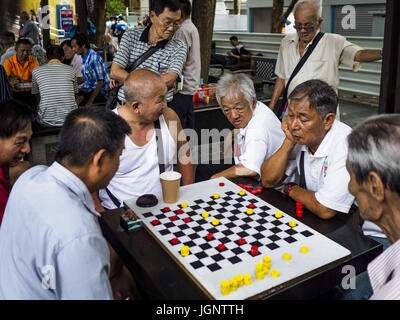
314,4
233,84
320,95
374,145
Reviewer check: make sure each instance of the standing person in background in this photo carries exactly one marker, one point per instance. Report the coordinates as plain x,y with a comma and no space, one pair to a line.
8,41
182,103
73,60
29,29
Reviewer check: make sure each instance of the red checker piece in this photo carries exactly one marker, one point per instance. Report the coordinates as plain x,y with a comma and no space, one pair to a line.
173,218
174,241
254,250
251,206
253,192
221,184
179,211
210,236
187,219
166,209
242,241
221,247
155,222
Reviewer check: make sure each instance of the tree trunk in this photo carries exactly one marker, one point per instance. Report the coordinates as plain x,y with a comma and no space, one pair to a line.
99,20
203,12
277,10
81,11
290,9
236,6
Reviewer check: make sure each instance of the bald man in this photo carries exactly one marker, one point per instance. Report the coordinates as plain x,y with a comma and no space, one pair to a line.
323,63
139,170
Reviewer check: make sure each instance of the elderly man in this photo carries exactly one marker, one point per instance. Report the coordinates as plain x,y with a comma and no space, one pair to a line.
147,151
15,134
61,253
19,67
170,56
373,163
29,29
257,133
316,145
323,63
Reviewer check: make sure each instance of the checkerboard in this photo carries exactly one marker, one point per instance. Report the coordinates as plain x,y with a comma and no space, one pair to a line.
207,265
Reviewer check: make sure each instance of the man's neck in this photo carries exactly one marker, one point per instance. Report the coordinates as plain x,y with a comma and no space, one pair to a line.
133,119
22,63
153,37
85,51
390,221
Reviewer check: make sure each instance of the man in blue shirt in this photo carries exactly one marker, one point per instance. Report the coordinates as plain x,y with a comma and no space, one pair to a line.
94,70
51,244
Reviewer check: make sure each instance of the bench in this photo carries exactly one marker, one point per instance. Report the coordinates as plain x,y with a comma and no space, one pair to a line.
44,146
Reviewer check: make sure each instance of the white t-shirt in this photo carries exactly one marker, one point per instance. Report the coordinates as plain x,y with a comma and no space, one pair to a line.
138,171
260,139
325,170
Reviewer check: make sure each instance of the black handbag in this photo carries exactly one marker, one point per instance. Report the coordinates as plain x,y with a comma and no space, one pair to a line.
281,105
112,100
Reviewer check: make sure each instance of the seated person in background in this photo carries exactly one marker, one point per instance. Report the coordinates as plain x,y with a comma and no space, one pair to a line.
139,170
55,86
238,57
94,70
19,67
373,163
62,253
8,41
72,59
258,130
15,134
316,145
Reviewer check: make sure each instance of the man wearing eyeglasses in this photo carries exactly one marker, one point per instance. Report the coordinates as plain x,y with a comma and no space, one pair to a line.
323,63
167,61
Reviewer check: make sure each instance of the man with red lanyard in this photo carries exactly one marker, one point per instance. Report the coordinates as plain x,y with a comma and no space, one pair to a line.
15,133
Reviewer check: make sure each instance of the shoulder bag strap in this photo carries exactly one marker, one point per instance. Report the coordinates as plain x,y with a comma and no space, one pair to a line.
302,176
160,146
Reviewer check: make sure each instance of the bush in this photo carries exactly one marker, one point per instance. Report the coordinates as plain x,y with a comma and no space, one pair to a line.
115,8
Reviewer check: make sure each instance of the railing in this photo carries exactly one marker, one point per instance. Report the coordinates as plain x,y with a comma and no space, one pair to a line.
366,81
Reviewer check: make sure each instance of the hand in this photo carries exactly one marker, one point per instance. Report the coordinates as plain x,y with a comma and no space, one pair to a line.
285,128
229,53
174,89
114,84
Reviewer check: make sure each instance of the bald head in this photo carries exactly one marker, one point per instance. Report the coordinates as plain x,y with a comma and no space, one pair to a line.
142,84
311,6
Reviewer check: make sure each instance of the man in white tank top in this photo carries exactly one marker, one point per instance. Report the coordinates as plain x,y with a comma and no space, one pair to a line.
139,170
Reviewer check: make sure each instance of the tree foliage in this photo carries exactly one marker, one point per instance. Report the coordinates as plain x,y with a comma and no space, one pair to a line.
115,8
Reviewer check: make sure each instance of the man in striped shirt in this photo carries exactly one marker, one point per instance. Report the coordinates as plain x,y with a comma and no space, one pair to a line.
373,163
167,61
55,86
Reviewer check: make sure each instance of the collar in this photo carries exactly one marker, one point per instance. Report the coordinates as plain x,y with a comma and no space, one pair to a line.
144,37
384,265
324,147
242,131
74,184
89,52
15,60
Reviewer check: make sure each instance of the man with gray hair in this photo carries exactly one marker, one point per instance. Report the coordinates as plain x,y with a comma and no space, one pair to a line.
373,163
323,63
29,28
257,134
316,146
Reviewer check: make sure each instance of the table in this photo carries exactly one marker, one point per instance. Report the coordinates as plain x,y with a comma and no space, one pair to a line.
159,277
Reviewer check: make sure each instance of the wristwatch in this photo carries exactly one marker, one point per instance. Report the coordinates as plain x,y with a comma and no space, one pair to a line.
288,187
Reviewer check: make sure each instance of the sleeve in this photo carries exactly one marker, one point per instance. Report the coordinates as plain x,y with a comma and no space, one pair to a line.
7,66
178,59
35,86
25,30
334,193
122,56
82,269
347,55
279,68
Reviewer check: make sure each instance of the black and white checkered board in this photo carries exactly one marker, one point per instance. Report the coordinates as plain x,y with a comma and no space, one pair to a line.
271,235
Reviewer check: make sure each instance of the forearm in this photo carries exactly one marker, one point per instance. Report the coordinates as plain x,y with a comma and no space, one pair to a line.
118,73
187,172
311,203
278,89
367,55
95,92
273,169
238,170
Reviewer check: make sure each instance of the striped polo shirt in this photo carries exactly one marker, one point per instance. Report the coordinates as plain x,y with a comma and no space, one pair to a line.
170,56
57,85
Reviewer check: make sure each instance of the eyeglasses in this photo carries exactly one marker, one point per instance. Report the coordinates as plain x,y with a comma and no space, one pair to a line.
306,28
239,110
174,24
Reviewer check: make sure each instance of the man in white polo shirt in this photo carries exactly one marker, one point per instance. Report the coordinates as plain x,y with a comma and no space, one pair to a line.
316,145
257,133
